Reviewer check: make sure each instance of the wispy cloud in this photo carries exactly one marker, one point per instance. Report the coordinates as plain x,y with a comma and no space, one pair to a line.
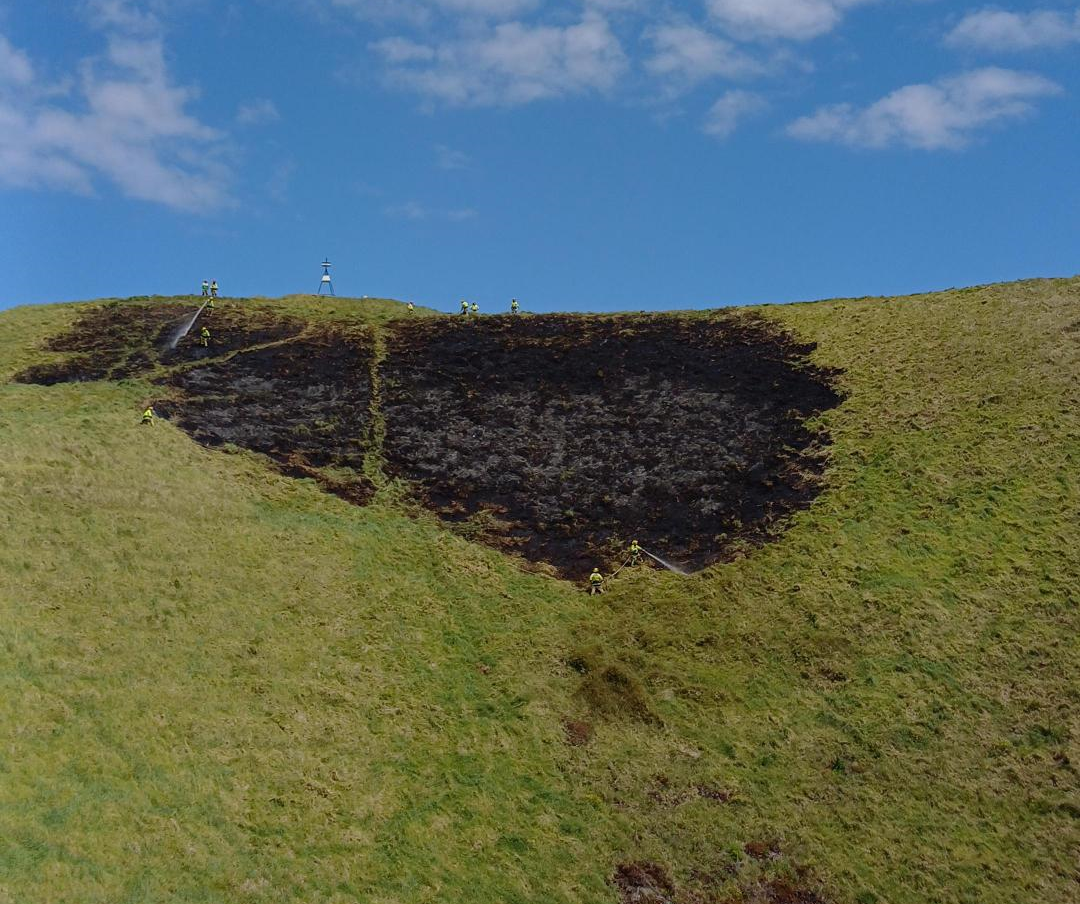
414,210
796,20
121,120
277,186
123,15
508,64
689,54
424,11
15,66
447,158
942,115
997,29
729,110
257,112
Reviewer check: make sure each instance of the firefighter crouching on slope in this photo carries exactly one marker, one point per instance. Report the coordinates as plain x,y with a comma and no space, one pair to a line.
148,415
596,582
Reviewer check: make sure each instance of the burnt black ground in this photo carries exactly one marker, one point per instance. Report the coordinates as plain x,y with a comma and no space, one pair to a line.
579,434
305,403
116,341
113,341
558,438
231,328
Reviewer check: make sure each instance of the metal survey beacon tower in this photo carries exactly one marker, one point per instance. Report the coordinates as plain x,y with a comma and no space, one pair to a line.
326,282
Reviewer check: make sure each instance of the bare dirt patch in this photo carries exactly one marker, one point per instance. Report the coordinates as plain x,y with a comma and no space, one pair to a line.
643,883
563,438
776,891
617,693
717,795
578,734
762,850
665,794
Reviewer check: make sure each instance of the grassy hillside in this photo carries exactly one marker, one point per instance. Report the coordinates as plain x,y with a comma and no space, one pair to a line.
218,683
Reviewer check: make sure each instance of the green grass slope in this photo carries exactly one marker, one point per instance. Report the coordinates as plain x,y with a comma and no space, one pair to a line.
220,684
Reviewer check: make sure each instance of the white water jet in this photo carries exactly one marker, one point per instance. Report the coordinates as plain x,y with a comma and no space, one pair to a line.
667,565
185,328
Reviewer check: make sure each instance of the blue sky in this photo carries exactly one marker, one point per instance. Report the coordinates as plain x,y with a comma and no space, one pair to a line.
580,155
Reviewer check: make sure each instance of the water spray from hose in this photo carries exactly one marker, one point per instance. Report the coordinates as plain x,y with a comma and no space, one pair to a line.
185,328
667,565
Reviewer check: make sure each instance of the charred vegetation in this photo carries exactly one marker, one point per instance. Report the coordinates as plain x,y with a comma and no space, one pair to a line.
305,403
118,341
556,438
566,437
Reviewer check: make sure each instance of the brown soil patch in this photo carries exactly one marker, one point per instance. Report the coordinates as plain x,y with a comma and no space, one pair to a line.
577,434
616,692
762,850
776,891
643,883
578,734
719,795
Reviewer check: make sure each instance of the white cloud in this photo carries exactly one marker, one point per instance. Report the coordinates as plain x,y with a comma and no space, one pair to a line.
994,29
797,20
277,186
501,9
124,121
123,15
509,63
421,11
15,65
415,211
943,115
446,158
691,54
398,50
258,112
730,109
